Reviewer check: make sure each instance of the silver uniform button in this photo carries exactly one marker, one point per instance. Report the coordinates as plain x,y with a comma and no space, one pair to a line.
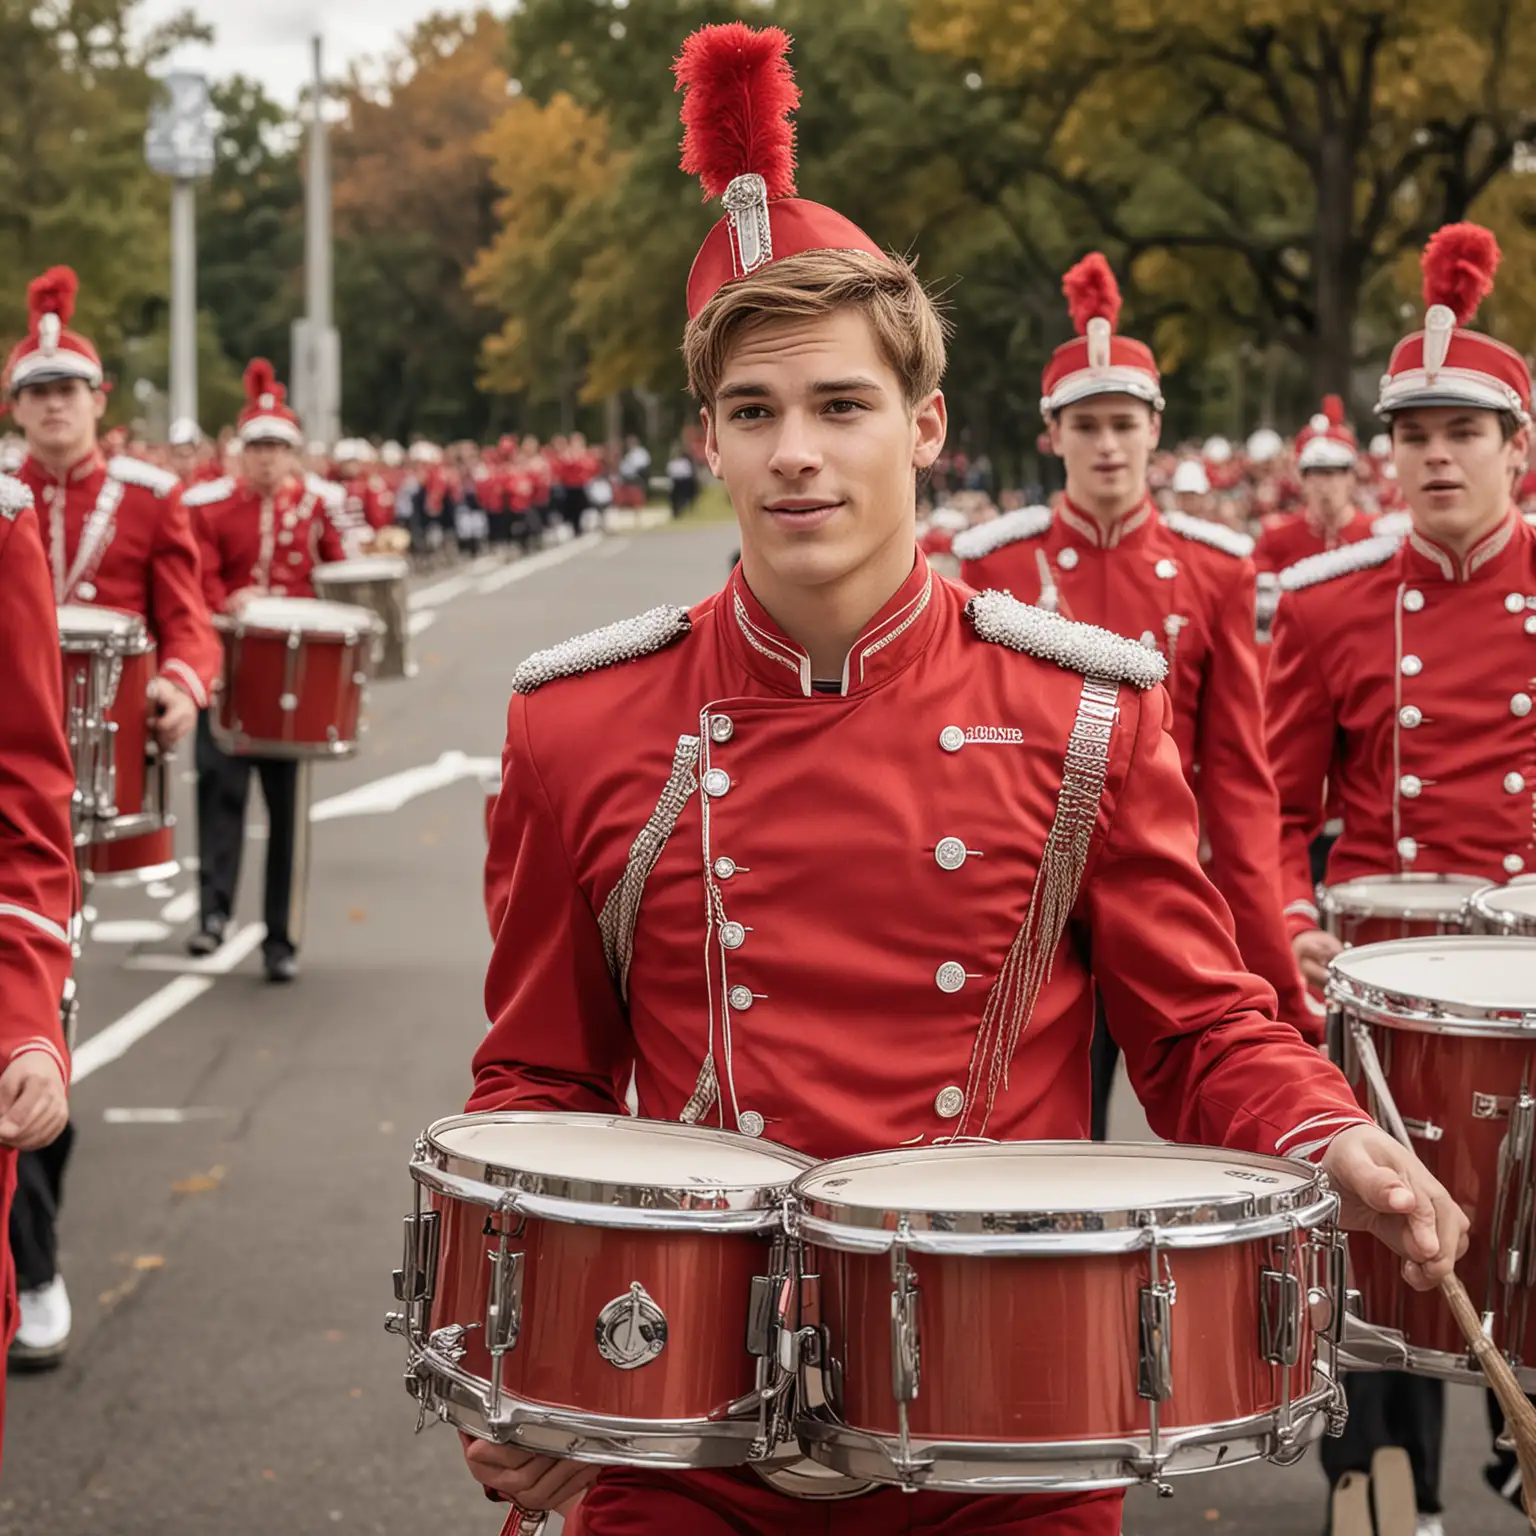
724,868
1515,602
741,998
1513,863
1407,849
949,1103
1520,704
1411,785
1413,600
86,591
1412,666
1513,783
951,738
1067,559
1530,624
717,782
1410,717
1149,640
950,976
1165,570
721,728
750,1123
950,854
732,935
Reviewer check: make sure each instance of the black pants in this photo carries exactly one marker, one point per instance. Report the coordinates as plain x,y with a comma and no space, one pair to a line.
223,787
1390,1408
35,1211
1103,1057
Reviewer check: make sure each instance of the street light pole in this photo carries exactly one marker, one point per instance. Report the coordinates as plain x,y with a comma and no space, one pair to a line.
316,346
183,378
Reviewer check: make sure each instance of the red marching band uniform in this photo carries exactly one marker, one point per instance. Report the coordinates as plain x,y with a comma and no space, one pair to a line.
37,861
1184,588
857,920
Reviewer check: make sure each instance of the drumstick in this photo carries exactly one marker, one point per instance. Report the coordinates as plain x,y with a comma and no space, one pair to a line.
1519,1415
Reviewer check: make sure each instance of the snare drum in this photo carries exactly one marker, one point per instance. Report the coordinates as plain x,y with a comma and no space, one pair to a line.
596,1287
1507,909
1381,907
1059,1315
295,671
1453,1021
377,583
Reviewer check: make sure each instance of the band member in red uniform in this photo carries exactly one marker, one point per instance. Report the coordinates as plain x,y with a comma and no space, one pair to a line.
852,773
261,534
116,535
1326,456
37,883
1403,671
370,502
1182,586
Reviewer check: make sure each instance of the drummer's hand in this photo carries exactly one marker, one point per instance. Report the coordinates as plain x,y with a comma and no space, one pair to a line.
175,713
34,1102
1313,950
237,600
531,1481
1389,1193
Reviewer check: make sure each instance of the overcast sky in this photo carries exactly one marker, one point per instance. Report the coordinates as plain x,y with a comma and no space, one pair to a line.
269,39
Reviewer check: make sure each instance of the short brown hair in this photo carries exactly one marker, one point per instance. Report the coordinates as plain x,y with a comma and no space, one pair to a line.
907,324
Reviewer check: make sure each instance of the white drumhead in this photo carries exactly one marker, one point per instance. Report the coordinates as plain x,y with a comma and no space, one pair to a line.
632,1152
1386,896
1518,897
307,615
1104,1178
87,623
1464,973
364,568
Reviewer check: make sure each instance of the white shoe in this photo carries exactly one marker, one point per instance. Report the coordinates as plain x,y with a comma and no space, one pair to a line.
1429,1525
43,1333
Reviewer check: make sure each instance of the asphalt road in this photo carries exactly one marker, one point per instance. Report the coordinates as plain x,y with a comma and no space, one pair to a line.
235,1199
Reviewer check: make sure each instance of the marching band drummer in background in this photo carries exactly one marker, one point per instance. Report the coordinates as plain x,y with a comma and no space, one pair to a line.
262,533
792,893
37,867
115,534
1402,677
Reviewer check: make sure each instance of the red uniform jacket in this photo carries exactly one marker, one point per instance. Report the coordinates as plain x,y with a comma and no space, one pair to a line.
117,535
1407,676
370,501
1288,539
268,543
835,919
1186,588
37,863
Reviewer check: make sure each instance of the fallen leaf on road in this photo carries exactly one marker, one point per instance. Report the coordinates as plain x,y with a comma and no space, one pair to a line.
268,1475
356,915
355,1392
334,1335
149,1261
385,1127
429,837
1213,1515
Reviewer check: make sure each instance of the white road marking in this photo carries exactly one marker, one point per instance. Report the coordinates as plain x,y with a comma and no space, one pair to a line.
612,547
540,562
397,789
161,890
130,930
418,622
223,960
440,592
180,909
162,1116
117,1037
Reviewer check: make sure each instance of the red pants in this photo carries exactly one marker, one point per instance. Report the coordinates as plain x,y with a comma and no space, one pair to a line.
630,1502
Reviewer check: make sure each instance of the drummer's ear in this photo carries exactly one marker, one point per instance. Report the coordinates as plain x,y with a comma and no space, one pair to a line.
99,403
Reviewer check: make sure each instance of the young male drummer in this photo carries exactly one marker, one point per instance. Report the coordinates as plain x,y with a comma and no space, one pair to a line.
262,533
837,884
116,535
37,877
1404,671
1181,585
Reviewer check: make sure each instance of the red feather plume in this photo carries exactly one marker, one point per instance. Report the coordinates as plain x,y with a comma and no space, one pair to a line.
1092,292
52,294
739,92
261,379
1458,264
1333,409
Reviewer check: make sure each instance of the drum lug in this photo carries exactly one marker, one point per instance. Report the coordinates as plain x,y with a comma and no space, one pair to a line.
906,1341
763,1314
1491,1106
504,1307
1155,1374
1279,1317
414,1280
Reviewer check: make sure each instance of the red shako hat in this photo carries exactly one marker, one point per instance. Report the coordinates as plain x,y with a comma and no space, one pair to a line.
50,351
1445,364
1326,442
1098,361
739,141
267,416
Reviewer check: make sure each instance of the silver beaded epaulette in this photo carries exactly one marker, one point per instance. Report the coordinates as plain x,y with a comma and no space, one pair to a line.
324,490
627,640
1360,556
1084,648
15,498
133,471
1228,540
1026,523
209,492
